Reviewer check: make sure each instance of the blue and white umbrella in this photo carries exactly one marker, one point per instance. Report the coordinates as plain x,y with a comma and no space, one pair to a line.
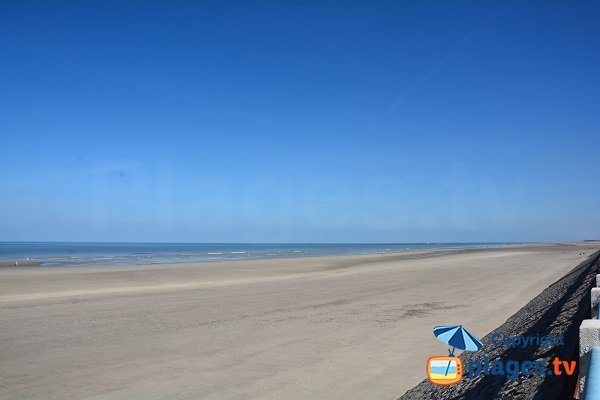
457,337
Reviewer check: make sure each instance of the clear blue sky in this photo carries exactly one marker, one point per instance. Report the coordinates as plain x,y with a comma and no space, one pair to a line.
299,121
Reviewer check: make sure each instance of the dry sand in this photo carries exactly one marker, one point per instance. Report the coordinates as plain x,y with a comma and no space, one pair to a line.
356,327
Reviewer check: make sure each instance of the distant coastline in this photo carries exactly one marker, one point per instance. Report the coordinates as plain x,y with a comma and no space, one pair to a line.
104,253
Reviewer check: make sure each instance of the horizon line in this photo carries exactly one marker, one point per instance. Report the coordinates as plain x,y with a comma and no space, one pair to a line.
278,243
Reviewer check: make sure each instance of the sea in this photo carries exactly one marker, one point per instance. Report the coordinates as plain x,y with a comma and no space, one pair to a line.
107,254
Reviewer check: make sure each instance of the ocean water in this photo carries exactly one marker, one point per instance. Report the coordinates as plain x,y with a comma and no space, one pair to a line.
74,253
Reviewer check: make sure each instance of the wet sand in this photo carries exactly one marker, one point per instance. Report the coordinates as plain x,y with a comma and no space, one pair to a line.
352,327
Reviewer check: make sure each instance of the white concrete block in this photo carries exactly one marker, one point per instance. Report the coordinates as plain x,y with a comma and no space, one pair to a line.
597,280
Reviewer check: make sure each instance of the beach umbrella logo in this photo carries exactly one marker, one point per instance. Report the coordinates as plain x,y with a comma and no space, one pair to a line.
457,337
447,370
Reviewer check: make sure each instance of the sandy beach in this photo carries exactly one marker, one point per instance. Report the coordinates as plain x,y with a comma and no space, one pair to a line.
351,327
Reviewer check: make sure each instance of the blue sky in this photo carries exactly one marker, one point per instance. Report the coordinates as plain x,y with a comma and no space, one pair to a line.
299,121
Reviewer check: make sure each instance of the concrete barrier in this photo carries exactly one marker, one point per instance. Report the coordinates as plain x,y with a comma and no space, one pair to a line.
591,390
595,298
589,338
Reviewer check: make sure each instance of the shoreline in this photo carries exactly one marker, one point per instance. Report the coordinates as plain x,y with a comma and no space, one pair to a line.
350,327
30,258
362,258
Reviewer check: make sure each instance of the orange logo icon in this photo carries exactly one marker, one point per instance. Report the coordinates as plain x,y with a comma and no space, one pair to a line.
444,371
